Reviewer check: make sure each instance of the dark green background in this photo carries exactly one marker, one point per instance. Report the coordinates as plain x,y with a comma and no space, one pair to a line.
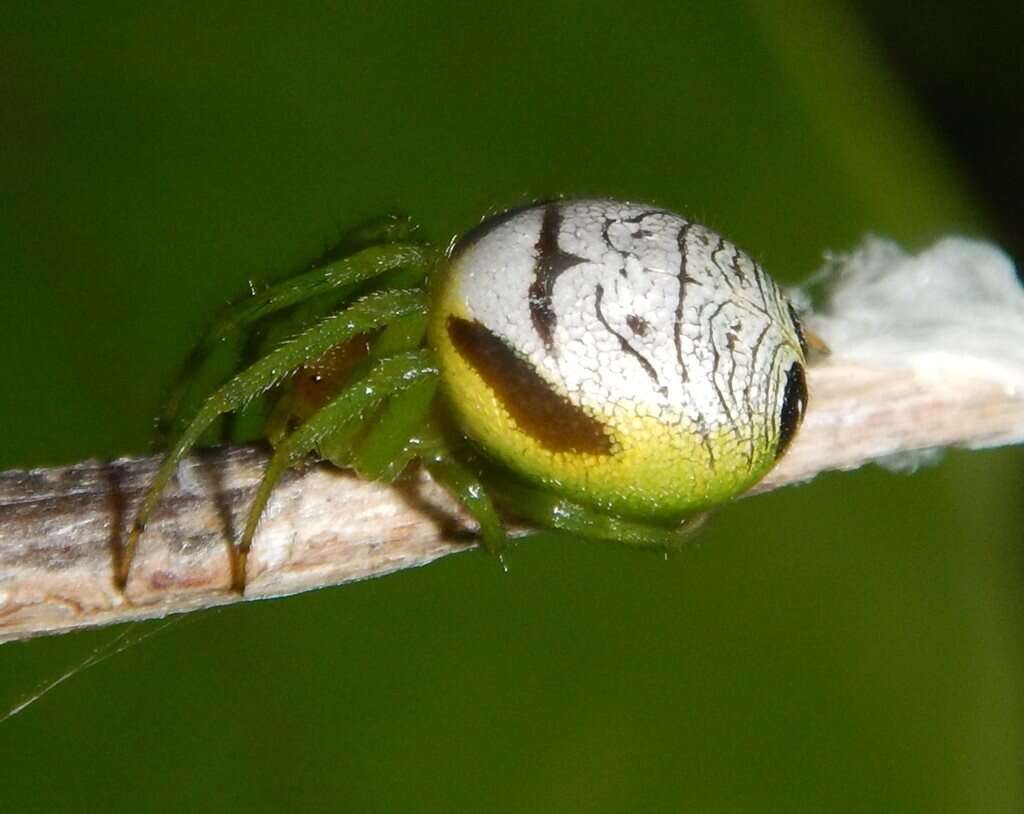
852,645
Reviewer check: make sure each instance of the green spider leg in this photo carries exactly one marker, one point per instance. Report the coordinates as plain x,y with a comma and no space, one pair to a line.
394,376
471,492
548,510
405,430
397,392
342,276
373,311
403,334
389,228
388,446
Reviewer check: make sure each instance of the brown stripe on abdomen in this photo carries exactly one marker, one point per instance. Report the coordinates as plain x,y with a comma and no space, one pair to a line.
549,418
552,261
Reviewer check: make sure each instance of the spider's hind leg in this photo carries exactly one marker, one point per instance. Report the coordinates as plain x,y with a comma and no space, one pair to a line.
467,487
547,510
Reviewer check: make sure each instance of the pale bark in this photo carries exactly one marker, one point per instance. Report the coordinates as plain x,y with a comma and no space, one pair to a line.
60,529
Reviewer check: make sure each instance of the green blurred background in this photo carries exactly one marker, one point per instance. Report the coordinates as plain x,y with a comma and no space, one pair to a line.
851,645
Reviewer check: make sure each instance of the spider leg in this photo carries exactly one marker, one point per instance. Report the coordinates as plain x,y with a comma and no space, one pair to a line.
404,334
364,265
548,510
390,377
339,276
388,446
385,450
372,311
390,228
471,492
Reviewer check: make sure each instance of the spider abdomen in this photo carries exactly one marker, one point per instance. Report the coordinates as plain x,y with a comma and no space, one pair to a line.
620,354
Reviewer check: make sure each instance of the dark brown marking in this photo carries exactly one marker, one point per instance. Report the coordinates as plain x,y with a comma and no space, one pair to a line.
799,328
552,262
794,404
551,419
714,368
750,378
720,248
705,439
637,324
635,223
741,275
684,280
759,275
321,380
623,342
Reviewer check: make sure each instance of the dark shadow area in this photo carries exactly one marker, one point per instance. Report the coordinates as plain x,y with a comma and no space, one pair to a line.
113,474
964,68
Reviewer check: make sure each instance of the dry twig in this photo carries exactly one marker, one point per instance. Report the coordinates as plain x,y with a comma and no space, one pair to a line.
60,529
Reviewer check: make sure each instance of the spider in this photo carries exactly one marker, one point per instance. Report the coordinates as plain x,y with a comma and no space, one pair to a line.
594,366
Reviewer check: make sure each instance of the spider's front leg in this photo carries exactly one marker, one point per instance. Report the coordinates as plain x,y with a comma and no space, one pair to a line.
371,312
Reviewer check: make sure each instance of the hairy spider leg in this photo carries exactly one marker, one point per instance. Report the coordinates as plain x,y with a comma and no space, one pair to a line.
338,276
294,407
403,334
390,376
373,311
398,433
471,492
386,449
548,510
389,228
309,311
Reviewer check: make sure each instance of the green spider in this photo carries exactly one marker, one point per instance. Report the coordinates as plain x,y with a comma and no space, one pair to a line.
593,366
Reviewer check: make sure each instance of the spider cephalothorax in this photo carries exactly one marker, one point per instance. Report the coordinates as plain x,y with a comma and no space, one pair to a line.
605,368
